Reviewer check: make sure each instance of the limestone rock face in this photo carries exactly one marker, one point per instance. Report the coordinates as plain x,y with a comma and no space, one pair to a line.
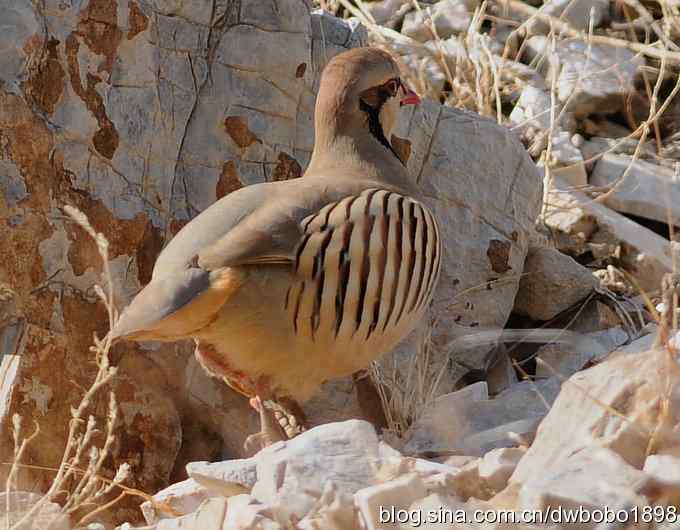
142,114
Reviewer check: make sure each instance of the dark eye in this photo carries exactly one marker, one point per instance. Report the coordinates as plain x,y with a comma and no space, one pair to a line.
392,86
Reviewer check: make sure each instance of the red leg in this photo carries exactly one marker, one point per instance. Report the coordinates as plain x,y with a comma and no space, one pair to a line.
270,429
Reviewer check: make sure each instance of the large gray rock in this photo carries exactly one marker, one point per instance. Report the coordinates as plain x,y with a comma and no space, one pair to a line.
552,282
21,31
648,190
486,193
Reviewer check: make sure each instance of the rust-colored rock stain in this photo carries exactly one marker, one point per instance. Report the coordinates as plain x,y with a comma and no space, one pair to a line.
228,181
402,147
137,21
238,131
499,255
286,168
105,140
45,83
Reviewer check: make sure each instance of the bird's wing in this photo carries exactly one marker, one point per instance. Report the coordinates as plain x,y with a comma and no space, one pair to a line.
199,269
271,233
363,263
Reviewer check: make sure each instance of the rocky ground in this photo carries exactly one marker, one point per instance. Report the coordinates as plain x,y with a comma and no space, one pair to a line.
545,378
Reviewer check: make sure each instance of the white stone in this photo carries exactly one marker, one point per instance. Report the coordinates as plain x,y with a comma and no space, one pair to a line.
647,190
182,497
392,496
593,478
567,359
665,468
563,214
449,17
244,513
485,477
469,423
567,161
581,417
592,82
210,515
225,477
334,510
533,110
454,514
576,13
552,282
291,475
20,503
497,465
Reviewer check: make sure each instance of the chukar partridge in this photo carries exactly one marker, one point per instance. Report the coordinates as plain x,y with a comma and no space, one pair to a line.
284,285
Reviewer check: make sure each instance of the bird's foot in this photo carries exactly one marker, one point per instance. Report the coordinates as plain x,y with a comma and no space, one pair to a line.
279,421
270,429
289,414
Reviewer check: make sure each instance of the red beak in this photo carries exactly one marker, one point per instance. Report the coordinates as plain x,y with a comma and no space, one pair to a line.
410,97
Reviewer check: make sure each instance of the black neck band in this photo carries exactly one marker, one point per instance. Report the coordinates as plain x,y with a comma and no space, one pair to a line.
375,127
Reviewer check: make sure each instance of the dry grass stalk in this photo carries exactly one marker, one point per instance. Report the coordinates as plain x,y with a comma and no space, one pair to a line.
90,490
407,387
651,51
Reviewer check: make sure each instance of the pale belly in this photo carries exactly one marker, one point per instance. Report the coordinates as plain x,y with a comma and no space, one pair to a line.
361,278
257,335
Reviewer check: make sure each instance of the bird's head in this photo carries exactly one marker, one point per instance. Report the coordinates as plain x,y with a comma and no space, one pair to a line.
362,89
